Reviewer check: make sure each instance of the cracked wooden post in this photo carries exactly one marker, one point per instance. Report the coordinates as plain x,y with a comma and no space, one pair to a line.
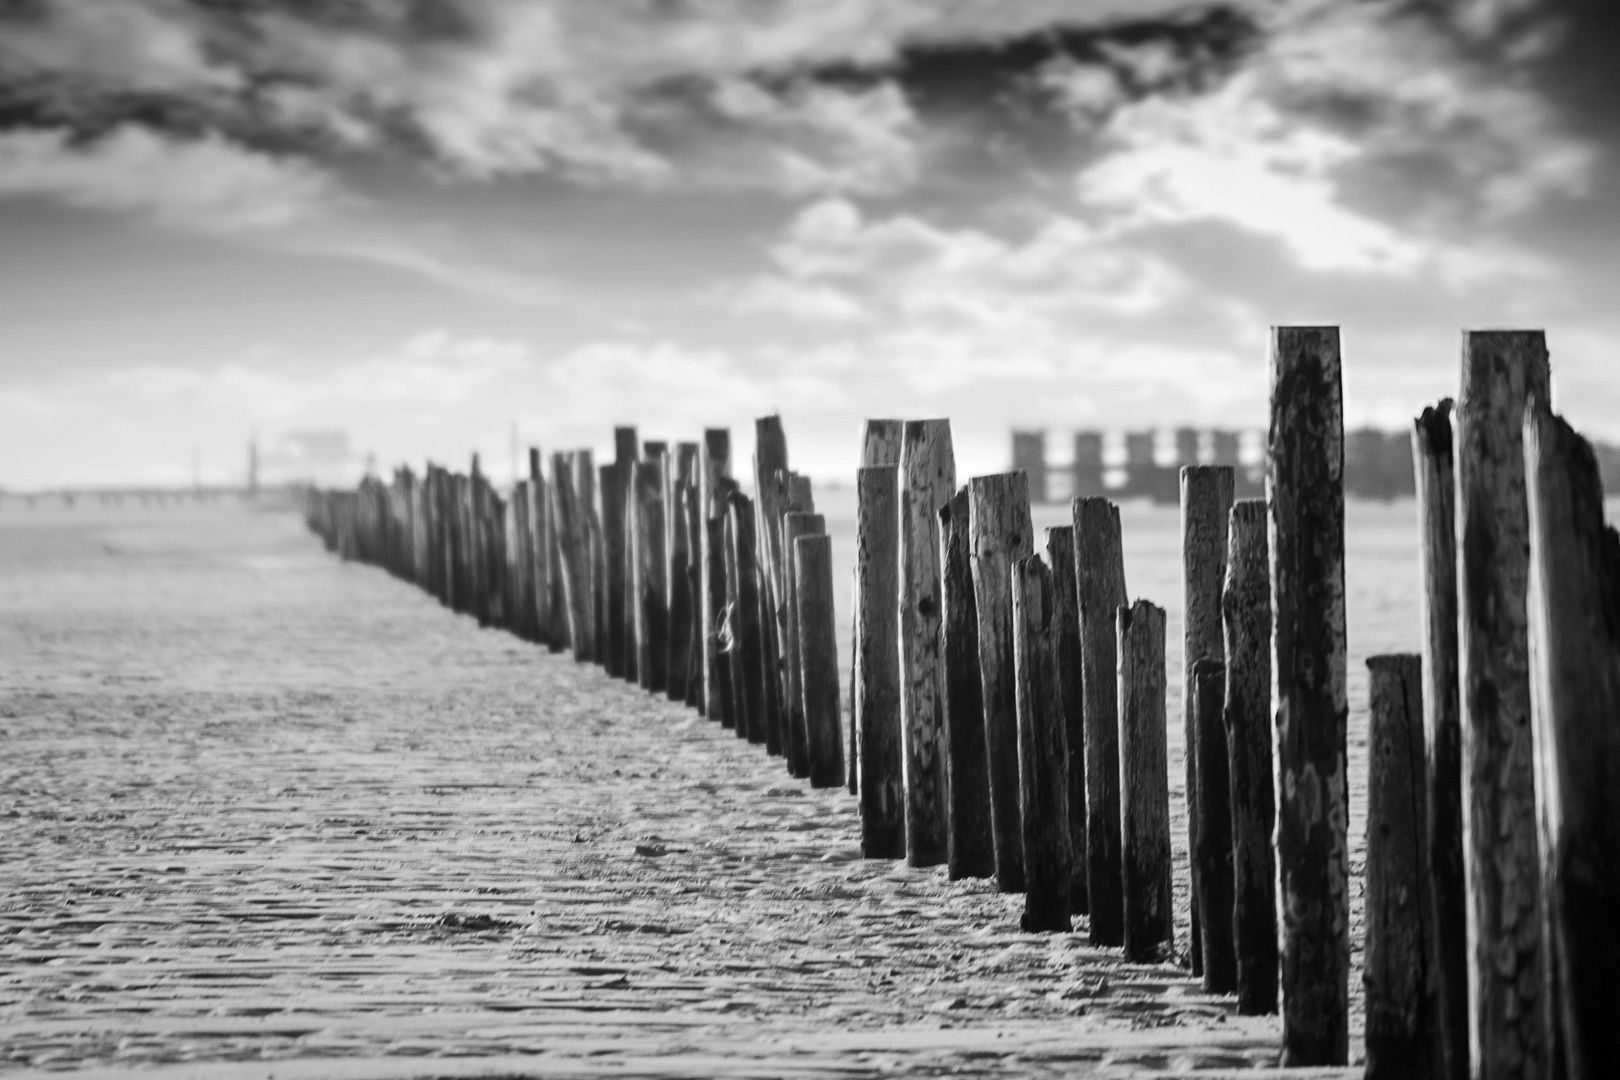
1306,487
1144,786
877,662
1246,611
818,658
1100,592
880,445
971,849
651,591
749,653
1446,920
927,480
1501,372
770,465
573,536
1214,852
1206,503
1574,607
715,466
1400,1037
1043,781
796,524
678,551
1001,534
1060,557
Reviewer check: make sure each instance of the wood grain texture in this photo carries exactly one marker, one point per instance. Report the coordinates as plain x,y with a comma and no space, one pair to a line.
878,740
1213,855
796,524
714,466
818,658
611,483
720,688
971,849
749,641
1306,486
1042,752
1144,786
678,549
616,532
607,488
1001,533
1099,564
540,557
1071,684
573,554
651,587
880,445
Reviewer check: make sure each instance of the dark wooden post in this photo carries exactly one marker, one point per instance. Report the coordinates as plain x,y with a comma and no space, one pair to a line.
1246,607
927,480
677,546
720,699
1400,1040
972,848
651,585
715,467
1002,533
695,529
611,479
1214,852
748,644
1307,589
607,481
770,487
1446,921
1066,652
621,597
818,658
880,445
796,524
1574,605
540,556
1144,785
1100,590
877,662
794,497
1042,751
572,536
1206,503
555,541
520,595
1502,370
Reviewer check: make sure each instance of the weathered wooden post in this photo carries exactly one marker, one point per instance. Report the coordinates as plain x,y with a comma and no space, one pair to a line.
1042,751
971,848
574,551
555,542
749,651
877,662
678,546
818,658
1213,855
1206,503
927,480
652,567
540,555
1246,607
1100,590
794,497
1306,487
695,529
719,695
1144,785
605,482
621,598
1066,654
1001,533
715,466
1446,920
611,484
880,445
1574,605
796,524
770,465
1400,1039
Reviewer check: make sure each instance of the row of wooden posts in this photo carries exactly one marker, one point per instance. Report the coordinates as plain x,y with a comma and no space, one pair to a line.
1007,713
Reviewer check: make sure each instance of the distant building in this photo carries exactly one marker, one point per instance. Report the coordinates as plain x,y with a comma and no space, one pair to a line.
1088,465
1029,454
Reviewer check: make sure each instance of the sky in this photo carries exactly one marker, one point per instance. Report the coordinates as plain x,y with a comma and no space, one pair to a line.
428,223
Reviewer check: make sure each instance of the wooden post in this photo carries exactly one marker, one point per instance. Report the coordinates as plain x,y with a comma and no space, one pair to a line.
613,586
1400,1040
540,554
677,546
1042,751
770,487
818,657
1206,503
1144,785
927,480
607,481
1213,855
1246,608
719,694
877,662
1446,921
1066,653
1502,371
1306,487
1574,605
695,689
749,651
793,496
651,585
880,445
972,849
621,598
1002,533
715,466
1100,589
555,541
797,524
730,625
571,548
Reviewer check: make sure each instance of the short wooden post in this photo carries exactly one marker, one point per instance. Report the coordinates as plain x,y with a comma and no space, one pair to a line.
651,568
1307,589
1206,503
1446,921
1066,654
927,480
678,548
1246,609
1002,533
1213,855
797,524
972,848
715,467
748,644
1144,787
1574,605
1400,1041
818,658
622,598
877,662
1100,589
1502,371
880,445
1042,752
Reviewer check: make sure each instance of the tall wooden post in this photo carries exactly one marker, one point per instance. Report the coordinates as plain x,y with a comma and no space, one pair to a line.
877,662
678,548
651,585
971,849
796,524
1574,605
1306,486
927,480
611,482
540,555
1002,533
716,466
770,465
721,700
573,542
1042,751
1213,855
1246,608
880,445
1100,589
1066,653
818,658
1446,920
1501,372
607,487
1144,785
1400,1039
748,647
